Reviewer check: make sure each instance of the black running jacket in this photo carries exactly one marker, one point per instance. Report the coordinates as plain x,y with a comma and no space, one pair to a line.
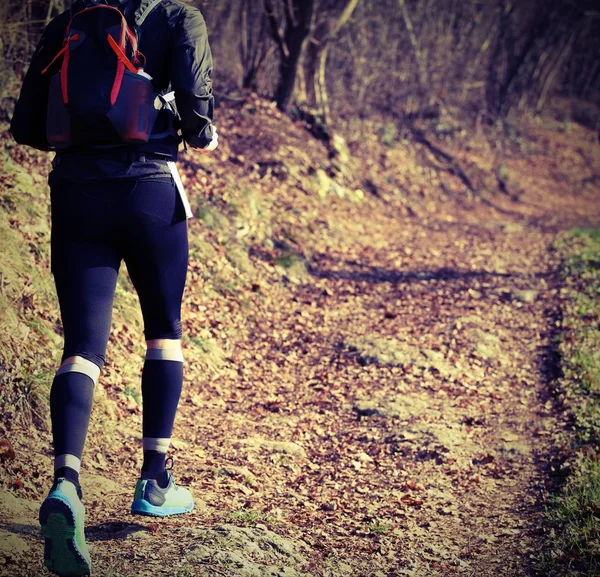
174,40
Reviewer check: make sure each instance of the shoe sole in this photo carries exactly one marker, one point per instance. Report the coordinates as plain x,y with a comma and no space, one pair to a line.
61,554
142,507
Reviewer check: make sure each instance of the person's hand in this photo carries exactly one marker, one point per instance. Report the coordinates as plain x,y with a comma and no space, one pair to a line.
212,144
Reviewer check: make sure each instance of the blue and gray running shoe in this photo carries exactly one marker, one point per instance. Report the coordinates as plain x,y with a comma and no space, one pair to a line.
151,499
62,518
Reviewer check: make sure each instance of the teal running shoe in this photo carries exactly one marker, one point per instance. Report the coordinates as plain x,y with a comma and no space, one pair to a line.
62,518
151,499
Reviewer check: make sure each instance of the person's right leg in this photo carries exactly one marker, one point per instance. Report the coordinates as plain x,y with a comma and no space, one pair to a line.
162,380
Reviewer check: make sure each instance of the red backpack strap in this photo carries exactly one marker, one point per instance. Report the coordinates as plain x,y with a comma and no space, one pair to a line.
119,49
119,46
120,54
61,51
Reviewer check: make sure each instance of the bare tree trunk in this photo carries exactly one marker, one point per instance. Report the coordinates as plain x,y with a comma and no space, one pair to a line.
421,67
591,80
321,86
554,70
289,67
532,79
244,43
468,83
310,62
493,81
298,17
316,58
253,49
505,89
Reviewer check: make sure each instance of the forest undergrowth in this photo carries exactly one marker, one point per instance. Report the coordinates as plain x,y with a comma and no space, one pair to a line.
574,535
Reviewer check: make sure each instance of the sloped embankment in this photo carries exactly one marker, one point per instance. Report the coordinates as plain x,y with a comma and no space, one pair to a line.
363,343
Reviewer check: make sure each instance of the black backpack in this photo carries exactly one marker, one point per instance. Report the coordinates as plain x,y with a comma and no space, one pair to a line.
97,91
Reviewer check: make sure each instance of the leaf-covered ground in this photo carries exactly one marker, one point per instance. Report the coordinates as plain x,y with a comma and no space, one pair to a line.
369,348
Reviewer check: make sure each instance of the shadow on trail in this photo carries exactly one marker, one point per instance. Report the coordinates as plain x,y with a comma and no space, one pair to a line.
552,459
113,530
101,532
21,529
357,272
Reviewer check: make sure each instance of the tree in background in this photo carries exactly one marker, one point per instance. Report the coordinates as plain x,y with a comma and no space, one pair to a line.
330,18
253,48
531,46
289,33
21,24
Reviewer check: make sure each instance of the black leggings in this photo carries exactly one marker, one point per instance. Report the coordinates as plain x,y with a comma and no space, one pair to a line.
95,225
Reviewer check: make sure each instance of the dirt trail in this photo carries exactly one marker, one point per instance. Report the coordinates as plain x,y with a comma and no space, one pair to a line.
400,424
430,463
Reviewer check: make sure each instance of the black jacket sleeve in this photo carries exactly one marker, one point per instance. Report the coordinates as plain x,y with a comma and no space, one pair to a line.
191,70
28,123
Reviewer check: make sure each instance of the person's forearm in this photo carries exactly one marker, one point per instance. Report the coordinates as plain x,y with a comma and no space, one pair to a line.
191,71
196,118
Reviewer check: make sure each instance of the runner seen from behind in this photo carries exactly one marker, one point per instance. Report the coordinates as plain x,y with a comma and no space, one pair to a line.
114,88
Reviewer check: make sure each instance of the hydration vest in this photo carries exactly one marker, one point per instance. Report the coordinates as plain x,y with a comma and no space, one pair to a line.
100,95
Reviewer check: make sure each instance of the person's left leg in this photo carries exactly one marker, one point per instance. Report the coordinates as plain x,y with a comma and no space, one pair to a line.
85,275
156,259
85,268
71,399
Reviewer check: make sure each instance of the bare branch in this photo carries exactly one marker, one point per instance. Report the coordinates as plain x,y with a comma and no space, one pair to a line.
289,12
275,32
345,16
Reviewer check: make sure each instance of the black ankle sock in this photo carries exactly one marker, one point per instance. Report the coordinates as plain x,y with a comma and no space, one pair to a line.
154,468
154,461
70,475
163,480
161,477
